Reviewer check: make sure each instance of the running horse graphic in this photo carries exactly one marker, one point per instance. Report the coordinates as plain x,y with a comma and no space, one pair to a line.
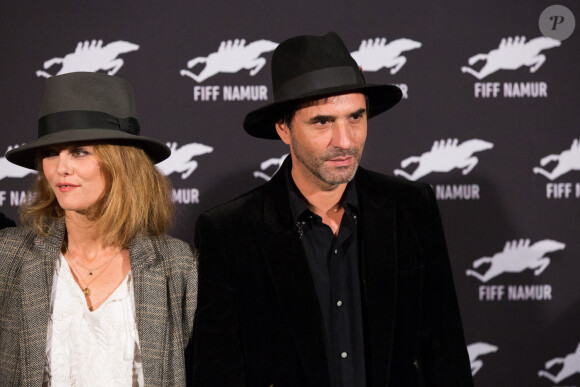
91,56
181,160
231,57
568,160
372,55
274,161
476,350
7,169
512,54
570,366
445,156
516,257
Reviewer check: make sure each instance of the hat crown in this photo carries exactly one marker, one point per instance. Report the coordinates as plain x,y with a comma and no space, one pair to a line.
84,106
89,92
312,67
316,56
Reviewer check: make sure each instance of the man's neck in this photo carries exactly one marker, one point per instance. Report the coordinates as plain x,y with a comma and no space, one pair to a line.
323,201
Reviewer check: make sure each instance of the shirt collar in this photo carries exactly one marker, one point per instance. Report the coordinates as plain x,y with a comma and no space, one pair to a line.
299,207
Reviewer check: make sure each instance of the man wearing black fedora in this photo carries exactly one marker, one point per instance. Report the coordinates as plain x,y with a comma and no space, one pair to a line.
328,274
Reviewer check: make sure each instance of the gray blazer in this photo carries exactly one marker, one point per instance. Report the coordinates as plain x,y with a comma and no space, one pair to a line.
165,279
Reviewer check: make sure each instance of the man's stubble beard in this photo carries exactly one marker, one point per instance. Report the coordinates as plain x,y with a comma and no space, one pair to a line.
317,167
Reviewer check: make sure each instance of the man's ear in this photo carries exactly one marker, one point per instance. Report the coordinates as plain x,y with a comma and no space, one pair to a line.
283,131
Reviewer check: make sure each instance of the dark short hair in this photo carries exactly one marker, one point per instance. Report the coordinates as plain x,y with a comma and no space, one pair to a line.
291,110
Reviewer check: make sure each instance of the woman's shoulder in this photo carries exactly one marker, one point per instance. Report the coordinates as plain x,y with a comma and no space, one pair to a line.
15,237
171,243
172,250
15,244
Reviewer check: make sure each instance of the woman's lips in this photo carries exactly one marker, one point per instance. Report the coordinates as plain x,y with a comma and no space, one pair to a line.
64,187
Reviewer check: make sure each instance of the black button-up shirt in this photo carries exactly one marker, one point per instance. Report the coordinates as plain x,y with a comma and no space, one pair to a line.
333,263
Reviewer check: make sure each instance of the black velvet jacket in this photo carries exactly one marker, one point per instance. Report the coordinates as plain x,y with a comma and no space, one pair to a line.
258,322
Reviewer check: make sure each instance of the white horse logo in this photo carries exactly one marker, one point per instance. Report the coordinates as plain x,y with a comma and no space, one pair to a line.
7,169
512,54
568,160
445,156
231,57
476,350
516,257
372,55
91,56
570,366
277,162
181,161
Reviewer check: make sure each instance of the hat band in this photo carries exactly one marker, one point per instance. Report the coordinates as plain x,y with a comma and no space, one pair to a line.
85,119
318,80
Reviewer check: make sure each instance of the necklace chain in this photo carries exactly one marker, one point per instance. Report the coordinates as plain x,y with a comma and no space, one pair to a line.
86,289
91,270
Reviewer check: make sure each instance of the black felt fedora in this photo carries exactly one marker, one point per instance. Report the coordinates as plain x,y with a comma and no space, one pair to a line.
87,107
307,67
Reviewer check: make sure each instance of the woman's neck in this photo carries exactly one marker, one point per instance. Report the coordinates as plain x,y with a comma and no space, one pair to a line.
84,238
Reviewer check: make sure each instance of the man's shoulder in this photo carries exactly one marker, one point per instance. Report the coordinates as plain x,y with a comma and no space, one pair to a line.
396,187
244,206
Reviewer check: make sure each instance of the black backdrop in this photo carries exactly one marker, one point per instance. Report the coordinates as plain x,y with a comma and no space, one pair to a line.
526,311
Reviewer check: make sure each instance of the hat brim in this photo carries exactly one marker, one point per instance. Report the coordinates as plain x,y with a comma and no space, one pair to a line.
25,155
261,122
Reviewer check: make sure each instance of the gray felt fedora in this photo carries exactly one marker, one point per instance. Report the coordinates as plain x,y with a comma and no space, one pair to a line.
85,106
305,67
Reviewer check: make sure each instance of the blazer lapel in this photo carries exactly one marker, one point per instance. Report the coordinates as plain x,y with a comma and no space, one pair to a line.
377,255
36,288
150,288
286,262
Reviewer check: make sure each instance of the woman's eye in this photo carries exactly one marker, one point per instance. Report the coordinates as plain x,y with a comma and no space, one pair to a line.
79,152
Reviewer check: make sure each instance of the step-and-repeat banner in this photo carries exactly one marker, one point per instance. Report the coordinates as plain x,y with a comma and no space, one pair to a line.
490,118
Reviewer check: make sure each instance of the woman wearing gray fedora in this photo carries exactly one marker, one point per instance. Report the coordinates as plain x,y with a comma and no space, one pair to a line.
92,290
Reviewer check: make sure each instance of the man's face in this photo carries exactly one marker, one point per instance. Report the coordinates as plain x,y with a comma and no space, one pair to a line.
326,140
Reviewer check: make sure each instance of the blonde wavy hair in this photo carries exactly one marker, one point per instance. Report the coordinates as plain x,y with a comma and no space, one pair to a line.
136,199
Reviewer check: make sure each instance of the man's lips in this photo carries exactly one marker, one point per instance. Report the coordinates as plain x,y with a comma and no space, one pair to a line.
341,161
66,187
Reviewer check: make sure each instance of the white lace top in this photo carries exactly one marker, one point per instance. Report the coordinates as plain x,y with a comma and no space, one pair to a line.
90,349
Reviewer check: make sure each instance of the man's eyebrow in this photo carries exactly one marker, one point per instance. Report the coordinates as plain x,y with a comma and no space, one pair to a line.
359,112
320,117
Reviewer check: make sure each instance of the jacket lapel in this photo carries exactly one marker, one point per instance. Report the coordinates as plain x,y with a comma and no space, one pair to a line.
377,257
150,288
36,289
286,262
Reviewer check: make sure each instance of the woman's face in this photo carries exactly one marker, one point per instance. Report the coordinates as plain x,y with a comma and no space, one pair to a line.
74,174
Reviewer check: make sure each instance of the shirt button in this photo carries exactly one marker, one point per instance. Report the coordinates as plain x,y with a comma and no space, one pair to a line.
338,303
344,355
336,251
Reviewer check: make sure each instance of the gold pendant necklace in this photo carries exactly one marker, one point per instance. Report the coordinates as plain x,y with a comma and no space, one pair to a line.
91,270
74,262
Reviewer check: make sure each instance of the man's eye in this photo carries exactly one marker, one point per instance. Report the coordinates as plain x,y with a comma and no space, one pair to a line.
322,122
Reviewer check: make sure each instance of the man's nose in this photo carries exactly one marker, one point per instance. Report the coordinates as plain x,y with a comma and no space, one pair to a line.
341,135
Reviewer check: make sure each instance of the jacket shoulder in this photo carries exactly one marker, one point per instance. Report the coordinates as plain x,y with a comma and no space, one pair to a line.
242,208
174,252
402,190
15,240
17,244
